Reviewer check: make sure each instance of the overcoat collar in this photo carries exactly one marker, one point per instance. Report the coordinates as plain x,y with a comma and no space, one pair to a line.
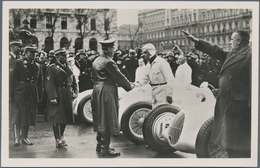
235,57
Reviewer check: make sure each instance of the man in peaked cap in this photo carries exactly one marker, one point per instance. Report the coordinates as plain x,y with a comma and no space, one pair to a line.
104,100
23,95
84,65
60,85
15,49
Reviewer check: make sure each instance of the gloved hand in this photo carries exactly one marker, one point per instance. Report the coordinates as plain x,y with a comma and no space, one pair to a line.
169,99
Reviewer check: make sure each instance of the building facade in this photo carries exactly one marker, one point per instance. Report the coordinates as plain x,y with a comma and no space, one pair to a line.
57,28
163,27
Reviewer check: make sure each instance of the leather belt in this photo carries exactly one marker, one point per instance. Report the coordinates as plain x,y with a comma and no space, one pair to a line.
104,83
27,82
158,84
64,86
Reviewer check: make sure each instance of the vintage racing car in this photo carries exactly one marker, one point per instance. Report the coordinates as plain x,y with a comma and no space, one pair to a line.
185,125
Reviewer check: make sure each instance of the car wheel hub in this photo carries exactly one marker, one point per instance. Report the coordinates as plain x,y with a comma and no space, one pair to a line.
136,122
161,123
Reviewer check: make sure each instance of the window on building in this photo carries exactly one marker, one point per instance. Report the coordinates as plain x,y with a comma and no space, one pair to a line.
48,22
63,23
33,22
93,24
106,24
194,17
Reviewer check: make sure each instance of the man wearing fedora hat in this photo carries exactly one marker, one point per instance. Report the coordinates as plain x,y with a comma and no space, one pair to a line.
23,76
60,85
104,100
232,118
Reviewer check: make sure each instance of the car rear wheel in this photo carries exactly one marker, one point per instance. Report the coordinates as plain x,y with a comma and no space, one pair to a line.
155,123
85,110
206,149
132,121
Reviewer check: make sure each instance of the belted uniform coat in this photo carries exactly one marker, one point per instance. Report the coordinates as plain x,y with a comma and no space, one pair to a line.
60,83
232,118
23,95
104,100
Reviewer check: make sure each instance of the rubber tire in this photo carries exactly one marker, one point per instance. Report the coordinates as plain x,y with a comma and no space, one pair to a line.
147,128
82,117
203,138
126,117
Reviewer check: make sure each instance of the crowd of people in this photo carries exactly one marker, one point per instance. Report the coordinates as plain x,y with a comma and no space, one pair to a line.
48,82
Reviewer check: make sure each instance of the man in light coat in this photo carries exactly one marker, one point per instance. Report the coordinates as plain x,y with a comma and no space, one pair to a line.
160,76
232,118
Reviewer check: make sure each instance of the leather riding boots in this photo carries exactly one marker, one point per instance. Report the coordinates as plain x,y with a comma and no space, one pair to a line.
98,148
105,149
57,134
16,135
25,131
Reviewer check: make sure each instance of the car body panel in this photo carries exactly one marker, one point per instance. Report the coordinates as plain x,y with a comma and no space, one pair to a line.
196,113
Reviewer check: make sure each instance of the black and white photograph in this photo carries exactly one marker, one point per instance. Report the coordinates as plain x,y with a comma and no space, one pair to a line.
130,83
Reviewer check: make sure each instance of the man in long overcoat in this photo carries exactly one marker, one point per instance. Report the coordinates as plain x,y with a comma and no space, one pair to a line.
23,100
232,118
60,84
104,100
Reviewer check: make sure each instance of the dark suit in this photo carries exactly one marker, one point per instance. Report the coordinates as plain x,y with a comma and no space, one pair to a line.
232,118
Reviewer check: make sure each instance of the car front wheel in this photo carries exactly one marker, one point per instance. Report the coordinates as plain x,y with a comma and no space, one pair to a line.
155,123
132,121
206,149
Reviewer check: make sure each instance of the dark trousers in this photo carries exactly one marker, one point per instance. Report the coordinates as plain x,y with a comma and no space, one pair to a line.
239,153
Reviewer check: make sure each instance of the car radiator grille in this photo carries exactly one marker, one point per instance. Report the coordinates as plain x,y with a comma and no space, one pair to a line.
176,128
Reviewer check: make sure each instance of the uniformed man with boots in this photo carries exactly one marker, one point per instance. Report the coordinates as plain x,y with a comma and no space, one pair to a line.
60,85
23,76
104,100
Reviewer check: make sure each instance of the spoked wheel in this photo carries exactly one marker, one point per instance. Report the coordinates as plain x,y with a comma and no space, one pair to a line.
206,149
85,110
154,127
133,119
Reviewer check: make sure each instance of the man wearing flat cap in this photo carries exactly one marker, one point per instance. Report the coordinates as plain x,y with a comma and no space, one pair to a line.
60,86
131,65
232,118
104,101
84,65
23,78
